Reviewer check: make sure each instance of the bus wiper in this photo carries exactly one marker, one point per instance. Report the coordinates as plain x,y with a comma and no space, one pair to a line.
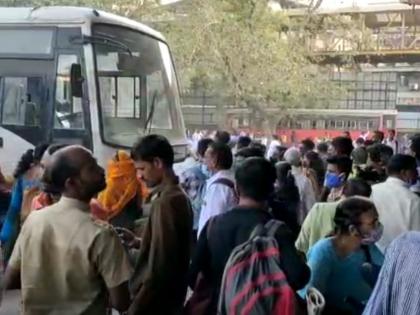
104,40
149,120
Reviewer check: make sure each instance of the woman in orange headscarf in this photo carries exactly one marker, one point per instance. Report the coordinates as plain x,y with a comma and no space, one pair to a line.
121,201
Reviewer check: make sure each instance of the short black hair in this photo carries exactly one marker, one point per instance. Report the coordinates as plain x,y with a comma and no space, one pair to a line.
255,179
322,147
391,131
380,153
357,187
344,164
349,211
28,158
222,136
401,162
223,153
202,146
250,152
342,145
379,134
360,140
151,147
244,142
308,145
259,146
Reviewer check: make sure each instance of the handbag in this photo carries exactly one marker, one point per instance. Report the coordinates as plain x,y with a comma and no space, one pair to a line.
315,302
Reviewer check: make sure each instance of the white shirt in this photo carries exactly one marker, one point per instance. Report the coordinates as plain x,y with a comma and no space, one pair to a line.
398,208
273,148
218,198
306,192
393,144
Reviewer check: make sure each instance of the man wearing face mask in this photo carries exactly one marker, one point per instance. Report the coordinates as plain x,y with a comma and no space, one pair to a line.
220,193
338,171
398,207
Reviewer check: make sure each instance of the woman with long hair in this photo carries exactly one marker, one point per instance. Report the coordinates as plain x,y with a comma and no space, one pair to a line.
286,199
27,176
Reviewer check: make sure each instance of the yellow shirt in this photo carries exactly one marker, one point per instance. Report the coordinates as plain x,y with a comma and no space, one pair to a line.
317,225
67,261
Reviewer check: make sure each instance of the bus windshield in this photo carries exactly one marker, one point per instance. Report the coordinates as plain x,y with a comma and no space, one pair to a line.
137,85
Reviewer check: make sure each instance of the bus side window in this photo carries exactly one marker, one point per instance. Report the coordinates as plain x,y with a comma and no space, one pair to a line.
68,110
21,100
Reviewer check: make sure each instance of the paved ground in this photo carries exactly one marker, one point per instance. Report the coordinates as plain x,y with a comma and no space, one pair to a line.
11,302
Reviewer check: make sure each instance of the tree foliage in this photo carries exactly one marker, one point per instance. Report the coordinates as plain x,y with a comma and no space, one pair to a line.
245,49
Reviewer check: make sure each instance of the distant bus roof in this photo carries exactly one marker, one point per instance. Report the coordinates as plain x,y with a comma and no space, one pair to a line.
69,15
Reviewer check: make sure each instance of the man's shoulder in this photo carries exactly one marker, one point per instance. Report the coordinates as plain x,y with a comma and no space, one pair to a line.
224,180
322,208
173,195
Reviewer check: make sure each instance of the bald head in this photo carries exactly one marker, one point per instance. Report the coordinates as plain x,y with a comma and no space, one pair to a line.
73,171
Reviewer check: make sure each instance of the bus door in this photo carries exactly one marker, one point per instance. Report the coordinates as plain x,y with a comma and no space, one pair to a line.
25,102
71,117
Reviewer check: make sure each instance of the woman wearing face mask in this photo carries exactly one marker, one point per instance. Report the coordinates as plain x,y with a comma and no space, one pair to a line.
344,267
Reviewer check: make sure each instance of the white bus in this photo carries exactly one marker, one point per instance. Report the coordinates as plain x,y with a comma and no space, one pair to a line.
82,76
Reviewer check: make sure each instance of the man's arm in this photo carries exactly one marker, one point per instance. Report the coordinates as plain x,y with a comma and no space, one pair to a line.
171,222
112,263
292,262
12,278
303,240
120,297
201,257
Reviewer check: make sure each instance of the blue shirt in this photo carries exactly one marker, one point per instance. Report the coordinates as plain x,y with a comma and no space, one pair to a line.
338,278
193,181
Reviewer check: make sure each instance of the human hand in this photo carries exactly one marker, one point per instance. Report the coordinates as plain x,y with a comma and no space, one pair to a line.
128,238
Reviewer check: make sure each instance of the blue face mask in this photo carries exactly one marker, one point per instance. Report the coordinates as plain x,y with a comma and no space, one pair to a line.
332,180
205,170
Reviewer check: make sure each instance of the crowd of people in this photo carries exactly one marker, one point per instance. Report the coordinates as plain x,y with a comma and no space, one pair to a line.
146,237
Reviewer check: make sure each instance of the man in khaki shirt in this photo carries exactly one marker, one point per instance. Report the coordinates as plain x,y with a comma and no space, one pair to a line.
67,262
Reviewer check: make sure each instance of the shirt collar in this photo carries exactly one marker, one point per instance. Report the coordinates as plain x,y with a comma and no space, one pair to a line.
74,203
397,181
155,192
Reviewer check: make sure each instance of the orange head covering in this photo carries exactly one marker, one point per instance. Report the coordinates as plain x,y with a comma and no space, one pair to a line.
122,185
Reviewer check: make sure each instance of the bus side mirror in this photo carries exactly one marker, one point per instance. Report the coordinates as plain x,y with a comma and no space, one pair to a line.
76,80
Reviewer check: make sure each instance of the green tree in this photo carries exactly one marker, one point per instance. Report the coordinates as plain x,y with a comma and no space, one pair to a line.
243,48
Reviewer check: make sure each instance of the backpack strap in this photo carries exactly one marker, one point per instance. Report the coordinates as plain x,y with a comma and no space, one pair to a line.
225,182
269,229
272,227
